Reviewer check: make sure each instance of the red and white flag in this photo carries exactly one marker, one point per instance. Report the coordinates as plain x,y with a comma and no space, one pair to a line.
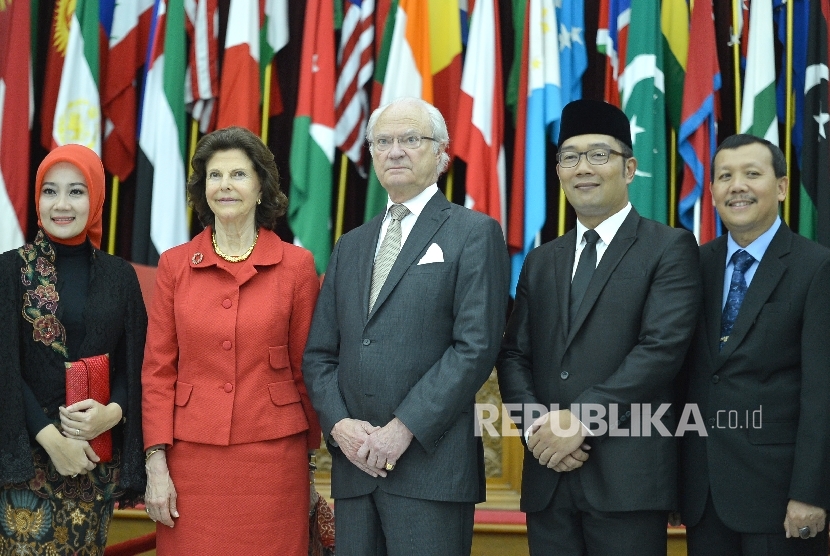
202,80
239,92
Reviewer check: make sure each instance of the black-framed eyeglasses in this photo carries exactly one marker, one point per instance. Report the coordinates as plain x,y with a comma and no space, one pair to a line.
409,142
595,157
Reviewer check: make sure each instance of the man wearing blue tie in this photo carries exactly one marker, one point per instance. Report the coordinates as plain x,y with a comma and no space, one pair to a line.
759,371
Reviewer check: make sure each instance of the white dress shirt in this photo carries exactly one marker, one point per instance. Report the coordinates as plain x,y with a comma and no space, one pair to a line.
415,205
606,229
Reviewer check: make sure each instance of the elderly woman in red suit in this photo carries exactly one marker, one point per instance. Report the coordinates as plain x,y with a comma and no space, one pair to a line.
228,424
62,299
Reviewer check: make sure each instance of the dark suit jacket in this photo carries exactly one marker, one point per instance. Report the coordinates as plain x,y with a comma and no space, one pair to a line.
626,345
423,353
777,359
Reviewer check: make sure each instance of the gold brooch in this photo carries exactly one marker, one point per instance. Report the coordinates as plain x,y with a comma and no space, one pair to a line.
197,258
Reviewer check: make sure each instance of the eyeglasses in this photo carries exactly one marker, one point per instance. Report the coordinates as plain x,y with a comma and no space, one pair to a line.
595,157
409,142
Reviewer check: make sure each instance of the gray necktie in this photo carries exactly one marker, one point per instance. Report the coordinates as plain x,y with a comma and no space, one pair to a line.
389,249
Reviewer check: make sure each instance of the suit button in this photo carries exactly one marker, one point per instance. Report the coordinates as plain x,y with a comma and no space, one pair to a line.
366,341
711,421
228,387
227,304
715,379
564,375
226,345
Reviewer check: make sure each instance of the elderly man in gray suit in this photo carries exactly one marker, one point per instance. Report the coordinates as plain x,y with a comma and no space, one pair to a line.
405,332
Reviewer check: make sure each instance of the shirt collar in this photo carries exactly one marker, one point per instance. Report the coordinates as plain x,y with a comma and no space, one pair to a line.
417,203
758,247
606,229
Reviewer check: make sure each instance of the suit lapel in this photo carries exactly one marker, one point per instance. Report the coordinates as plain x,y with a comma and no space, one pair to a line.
712,266
623,240
769,273
564,254
366,260
436,211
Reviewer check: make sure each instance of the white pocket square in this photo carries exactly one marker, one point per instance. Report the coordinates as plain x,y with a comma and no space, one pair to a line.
433,255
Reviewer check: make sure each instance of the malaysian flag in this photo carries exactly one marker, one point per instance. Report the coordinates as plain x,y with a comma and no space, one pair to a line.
356,67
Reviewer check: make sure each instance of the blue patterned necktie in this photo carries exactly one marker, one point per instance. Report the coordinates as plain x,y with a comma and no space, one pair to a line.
737,290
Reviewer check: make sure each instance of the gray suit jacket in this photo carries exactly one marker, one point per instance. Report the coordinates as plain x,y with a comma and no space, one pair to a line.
626,346
777,360
421,355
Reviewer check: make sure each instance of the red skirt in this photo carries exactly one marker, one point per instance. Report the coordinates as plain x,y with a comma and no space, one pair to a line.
245,499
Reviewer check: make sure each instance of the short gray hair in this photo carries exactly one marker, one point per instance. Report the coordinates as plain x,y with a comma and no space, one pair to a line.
439,128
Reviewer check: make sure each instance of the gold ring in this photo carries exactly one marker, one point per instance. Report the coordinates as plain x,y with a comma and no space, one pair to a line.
389,466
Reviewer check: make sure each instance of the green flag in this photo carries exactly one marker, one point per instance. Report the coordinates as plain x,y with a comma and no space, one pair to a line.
642,93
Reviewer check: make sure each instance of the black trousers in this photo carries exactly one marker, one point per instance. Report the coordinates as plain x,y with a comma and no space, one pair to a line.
570,526
711,537
383,524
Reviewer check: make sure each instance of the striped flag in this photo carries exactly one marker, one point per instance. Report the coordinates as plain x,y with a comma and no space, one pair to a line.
78,109
201,80
697,138
800,32
480,138
239,92
312,143
127,49
643,88
16,108
355,61
814,206
612,40
758,111
160,220
445,61
544,107
674,23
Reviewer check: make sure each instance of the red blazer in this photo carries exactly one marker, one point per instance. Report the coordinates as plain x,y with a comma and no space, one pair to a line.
222,362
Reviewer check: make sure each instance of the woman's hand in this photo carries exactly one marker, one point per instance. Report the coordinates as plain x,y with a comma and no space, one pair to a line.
87,419
69,456
160,496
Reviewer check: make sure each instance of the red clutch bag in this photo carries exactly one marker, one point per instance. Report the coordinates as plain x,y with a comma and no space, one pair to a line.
89,378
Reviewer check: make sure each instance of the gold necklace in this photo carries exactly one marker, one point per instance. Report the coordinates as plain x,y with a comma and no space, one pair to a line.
232,258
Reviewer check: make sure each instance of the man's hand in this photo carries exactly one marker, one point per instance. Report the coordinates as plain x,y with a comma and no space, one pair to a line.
351,436
572,461
554,436
386,445
801,515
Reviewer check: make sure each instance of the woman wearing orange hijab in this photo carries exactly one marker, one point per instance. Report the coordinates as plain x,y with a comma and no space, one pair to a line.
62,299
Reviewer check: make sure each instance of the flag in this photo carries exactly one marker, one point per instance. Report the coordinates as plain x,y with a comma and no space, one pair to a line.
127,49
465,8
355,61
573,56
642,87
480,138
612,40
201,78
273,37
697,137
160,220
312,143
544,106
674,23
78,109
517,66
239,93
758,116
406,71
814,206
16,108
55,55
445,61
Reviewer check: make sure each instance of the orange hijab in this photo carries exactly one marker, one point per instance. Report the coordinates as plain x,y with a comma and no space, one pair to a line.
88,163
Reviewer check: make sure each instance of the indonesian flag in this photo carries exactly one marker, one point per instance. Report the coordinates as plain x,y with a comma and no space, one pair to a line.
239,92
16,107
480,138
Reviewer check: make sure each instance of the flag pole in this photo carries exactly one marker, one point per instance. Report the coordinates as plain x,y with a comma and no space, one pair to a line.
736,57
341,197
266,102
788,130
672,178
116,185
561,223
194,137
448,190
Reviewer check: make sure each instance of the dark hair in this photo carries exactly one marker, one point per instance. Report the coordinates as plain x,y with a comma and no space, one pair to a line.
779,163
274,201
